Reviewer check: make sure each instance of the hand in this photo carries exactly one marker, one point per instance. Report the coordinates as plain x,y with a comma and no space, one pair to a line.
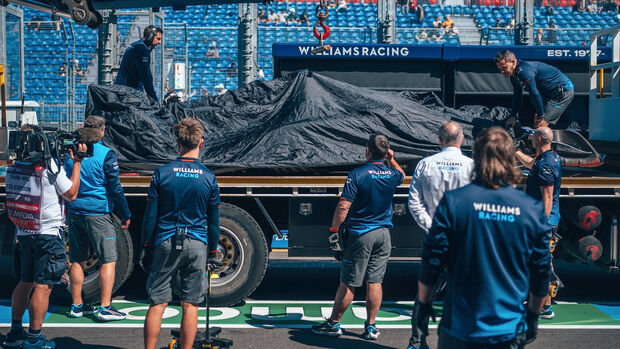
213,262
532,326
390,155
81,153
146,258
423,313
510,122
125,224
334,245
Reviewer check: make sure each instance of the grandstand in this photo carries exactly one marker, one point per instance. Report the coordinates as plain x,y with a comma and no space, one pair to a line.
47,48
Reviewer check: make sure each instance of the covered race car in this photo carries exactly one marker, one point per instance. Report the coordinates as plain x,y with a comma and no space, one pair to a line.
302,122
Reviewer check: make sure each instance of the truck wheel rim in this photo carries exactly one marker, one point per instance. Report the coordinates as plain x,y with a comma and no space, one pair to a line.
232,255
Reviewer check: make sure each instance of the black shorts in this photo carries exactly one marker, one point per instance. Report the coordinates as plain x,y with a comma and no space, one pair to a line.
42,258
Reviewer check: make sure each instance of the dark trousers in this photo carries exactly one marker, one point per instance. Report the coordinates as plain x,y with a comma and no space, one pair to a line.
446,341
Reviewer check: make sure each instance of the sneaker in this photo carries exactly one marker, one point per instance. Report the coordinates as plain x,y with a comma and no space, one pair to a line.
39,343
328,328
371,332
110,314
547,312
78,311
14,339
417,344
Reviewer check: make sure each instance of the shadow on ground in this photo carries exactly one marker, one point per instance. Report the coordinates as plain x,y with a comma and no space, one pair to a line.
347,340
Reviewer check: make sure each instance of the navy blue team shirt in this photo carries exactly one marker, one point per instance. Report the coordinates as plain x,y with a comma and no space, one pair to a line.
546,172
135,68
495,245
185,191
370,188
540,80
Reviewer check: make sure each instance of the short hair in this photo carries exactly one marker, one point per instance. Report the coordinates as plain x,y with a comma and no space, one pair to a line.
189,133
94,121
545,134
505,55
494,159
378,146
451,133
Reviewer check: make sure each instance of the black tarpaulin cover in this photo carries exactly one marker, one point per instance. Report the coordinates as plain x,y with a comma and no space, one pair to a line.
302,121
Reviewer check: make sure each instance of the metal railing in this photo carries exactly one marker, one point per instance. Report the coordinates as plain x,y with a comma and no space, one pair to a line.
60,116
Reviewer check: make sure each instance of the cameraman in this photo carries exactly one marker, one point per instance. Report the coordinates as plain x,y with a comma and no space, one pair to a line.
91,223
40,239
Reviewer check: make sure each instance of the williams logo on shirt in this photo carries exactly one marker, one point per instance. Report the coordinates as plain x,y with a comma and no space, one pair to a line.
184,172
498,213
376,174
449,166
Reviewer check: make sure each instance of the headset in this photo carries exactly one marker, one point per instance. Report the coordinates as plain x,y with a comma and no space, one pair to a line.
149,34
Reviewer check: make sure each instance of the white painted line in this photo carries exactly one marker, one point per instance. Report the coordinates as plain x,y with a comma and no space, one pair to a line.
248,326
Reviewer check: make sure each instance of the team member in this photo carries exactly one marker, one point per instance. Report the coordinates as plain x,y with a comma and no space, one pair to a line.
40,239
366,203
135,69
543,184
182,216
436,174
550,91
433,176
494,241
91,224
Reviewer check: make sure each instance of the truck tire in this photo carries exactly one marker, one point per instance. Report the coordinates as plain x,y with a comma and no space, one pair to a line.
245,253
91,292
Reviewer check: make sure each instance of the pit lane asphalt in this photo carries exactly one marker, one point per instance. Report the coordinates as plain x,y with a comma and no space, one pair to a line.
318,282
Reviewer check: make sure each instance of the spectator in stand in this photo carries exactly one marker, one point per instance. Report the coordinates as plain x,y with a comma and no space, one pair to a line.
220,89
77,69
452,30
484,34
447,23
434,34
422,35
548,11
292,17
204,92
331,4
262,16
273,17
213,52
551,33
404,6
35,23
610,6
303,19
232,70
56,20
498,23
413,6
282,16
342,6
539,37
419,14
62,70
593,8
579,6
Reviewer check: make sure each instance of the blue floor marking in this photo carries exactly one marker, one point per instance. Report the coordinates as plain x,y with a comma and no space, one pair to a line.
611,310
5,313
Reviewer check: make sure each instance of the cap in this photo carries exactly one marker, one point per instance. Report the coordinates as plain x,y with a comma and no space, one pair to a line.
219,86
292,10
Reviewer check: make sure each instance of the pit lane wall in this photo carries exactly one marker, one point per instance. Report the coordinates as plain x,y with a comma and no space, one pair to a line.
459,75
